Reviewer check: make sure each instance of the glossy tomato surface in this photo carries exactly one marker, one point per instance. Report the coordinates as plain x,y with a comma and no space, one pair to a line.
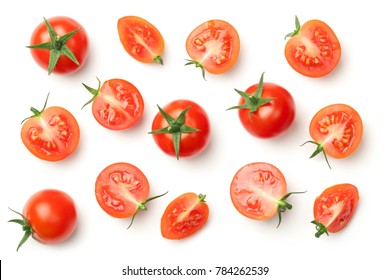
52,134
338,128
191,143
141,39
256,189
313,49
52,216
118,105
78,44
215,45
335,206
272,118
184,216
120,189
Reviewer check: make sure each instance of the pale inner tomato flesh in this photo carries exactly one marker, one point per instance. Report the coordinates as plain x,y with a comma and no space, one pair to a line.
184,217
138,36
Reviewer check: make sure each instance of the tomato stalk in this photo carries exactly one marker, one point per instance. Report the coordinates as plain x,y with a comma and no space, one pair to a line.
283,205
197,65
57,46
296,31
253,102
94,92
142,206
321,229
36,112
175,127
319,149
26,227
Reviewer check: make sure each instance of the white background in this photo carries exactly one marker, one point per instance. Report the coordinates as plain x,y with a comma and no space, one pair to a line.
102,246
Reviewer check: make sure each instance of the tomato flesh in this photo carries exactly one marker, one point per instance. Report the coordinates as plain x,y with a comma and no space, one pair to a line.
120,189
335,206
119,105
53,135
184,216
256,189
214,44
141,40
338,128
315,51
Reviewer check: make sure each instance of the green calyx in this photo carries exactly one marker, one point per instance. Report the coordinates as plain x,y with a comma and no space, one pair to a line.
57,46
319,149
202,197
197,65
26,227
158,59
296,31
36,112
175,127
94,92
321,229
283,205
252,102
142,206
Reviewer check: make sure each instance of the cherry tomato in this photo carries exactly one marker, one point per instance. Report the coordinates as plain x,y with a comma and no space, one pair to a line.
117,105
213,46
49,215
51,134
258,191
184,216
337,131
181,128
334,208
313,49
60,45
122,190
141,39
265,109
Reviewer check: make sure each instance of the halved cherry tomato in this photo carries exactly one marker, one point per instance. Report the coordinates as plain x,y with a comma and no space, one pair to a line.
117,105
122,190
49,216
265,109
313,49
141,39
337,130
213,46
51,134
334,208
60,45
181,128
259,190
184,216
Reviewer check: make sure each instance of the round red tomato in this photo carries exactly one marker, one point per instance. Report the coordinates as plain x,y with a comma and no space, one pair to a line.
49,215
181,128
51,134
141,39
258,191
334,208
117,105
337,130
213,46
184,216
60,45
313,49
265,109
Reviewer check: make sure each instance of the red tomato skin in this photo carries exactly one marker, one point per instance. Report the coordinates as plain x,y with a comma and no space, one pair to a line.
119,105
252,187
324,44
120,188
78,44
64,130
344,142
214,32
191,143
173,229
272,118
132,27
342,198
52,215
